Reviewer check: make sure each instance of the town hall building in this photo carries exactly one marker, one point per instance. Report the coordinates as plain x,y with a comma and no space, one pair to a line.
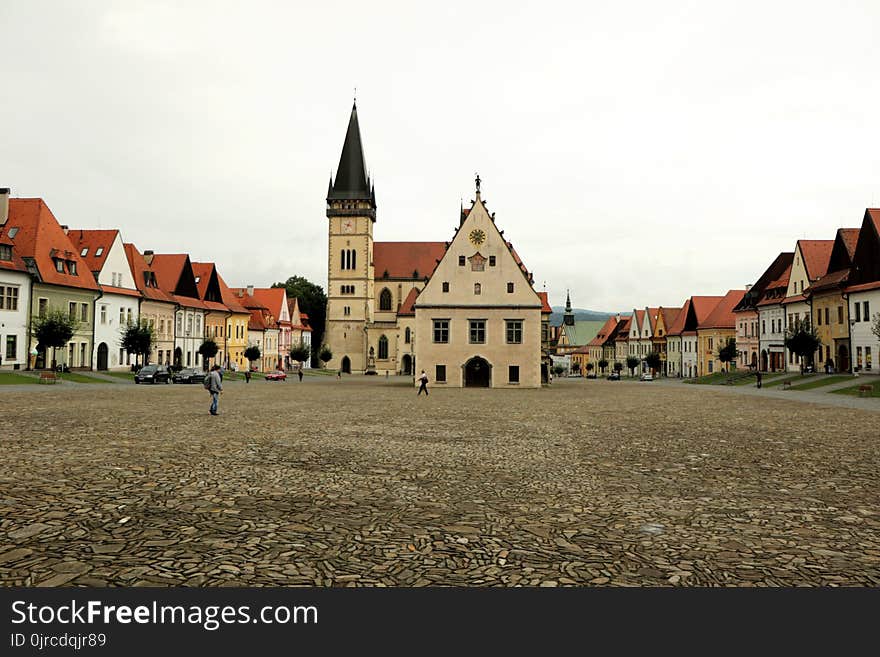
464,310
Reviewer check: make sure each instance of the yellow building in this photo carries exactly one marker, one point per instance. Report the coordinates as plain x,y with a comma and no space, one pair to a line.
236,339
715,331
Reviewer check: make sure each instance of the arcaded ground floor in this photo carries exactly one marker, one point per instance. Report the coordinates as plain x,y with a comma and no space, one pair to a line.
361,482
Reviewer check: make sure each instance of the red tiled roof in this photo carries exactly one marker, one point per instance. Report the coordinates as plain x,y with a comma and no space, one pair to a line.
677,325
230,300
850,237
545,304
407,308
816,254
834,279
640,319
652,315
602,335
120,290
202,271
722,316
248,301
669,317
874,213
623,328
16,264
93,240
188,302
703,307
41,237
271,297
402,259
794,299
139,267
864,287
168,268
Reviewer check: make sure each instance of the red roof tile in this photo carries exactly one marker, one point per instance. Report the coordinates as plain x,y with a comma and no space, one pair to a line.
677,325
141,271
816,254
623,328
230,300
669,317
722,316
602,335
168,268
40,237
407,308
874,213
93,241
545,304
864,287
403,259
850,237
272,298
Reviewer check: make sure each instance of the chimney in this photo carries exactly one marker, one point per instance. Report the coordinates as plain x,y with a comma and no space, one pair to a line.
148,257
748,286
4,205
250,290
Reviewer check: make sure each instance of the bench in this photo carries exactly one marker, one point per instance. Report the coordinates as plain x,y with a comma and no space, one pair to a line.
49,377
786,385
866,388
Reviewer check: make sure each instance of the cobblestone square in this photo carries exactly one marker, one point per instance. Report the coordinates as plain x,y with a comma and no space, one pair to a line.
359,482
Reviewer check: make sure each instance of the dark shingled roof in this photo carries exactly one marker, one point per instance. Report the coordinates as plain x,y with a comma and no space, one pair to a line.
351,175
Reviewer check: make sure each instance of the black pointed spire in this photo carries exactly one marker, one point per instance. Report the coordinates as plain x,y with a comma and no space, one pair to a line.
568,318
352,182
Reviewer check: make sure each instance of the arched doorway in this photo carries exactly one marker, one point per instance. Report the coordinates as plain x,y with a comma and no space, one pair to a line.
843,358
178,357
754,360
763,361
477,373
346,365
102,356
406,364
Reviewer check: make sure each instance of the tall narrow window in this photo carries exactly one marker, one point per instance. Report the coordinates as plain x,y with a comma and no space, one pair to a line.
383,348
477,331
385,299
514,331
510,288
478,289
342,259
866,313
858,310
440,373
446,286
441,330
513,374
353,259
840,314
406,335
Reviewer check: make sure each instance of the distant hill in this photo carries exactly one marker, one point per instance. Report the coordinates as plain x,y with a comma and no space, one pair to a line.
579,313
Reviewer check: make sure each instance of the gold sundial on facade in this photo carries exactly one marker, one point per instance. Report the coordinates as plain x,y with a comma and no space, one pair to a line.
477,237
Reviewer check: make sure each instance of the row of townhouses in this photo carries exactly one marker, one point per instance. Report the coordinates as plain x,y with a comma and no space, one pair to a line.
105,284
833,285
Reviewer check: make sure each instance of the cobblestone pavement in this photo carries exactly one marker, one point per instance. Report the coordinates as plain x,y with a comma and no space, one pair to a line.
360,482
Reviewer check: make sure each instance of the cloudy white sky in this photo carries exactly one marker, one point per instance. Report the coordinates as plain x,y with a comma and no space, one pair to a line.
634,152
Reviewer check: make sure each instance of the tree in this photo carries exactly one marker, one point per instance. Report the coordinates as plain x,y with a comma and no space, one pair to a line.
727,351
603,363
313,302
558,370
299,352
618,367
590,367
653,361
208,350
802,339
875,327
632,363
252,353
138,338
54,329
325,355
576,367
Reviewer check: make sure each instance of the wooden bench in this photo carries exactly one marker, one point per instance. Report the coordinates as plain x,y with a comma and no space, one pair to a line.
866,388
786,385
49,377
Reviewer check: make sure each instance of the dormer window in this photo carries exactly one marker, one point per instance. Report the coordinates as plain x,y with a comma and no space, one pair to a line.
84,252
13,232
59,265
5,252
71,267
99,250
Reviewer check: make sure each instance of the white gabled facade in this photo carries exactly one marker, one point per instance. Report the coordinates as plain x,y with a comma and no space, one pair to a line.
15,291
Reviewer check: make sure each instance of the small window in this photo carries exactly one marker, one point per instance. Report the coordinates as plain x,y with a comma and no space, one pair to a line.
407,335
71,267
5,252
491,261
84,312
84,252
71,310
461,261
514,331
446,286
198,278
440,373
513,374
840,314
478,289
59,265
510,288
441,330
858,309
99,250
477,331
42,307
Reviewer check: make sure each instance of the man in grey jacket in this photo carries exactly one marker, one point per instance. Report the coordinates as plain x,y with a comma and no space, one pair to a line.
215,387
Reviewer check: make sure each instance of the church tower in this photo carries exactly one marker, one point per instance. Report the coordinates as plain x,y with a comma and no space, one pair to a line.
351,213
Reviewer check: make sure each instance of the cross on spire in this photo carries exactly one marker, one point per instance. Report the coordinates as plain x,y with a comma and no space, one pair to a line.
477,182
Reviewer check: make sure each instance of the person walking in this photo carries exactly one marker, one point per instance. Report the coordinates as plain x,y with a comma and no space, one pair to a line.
759,376
300,374
247,375
423,384
215,387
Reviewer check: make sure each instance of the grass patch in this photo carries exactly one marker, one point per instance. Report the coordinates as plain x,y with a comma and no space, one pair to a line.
127,376
76,377
782,379
13,378
827,381
854,391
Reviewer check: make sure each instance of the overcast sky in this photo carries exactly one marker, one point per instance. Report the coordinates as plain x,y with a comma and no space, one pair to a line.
634,152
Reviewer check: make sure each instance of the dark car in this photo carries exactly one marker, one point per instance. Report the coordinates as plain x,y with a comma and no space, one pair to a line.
614,376
153,374
188,375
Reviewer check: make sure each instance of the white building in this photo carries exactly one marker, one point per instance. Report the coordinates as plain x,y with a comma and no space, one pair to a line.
15,290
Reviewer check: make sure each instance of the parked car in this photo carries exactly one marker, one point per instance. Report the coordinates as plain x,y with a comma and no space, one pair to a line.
188,375
153,374
647,377
277,375
614,376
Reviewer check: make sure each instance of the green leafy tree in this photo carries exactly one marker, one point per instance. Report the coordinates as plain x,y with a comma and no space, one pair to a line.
54,329
590,367
325,355
603,363
727,352
252,353
208,349
558,370
632,363
138,338
313,302
300,352
803,340
618,367
653,360
576,367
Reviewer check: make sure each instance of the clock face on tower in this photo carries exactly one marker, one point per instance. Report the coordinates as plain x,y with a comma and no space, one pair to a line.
348,226
477,237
